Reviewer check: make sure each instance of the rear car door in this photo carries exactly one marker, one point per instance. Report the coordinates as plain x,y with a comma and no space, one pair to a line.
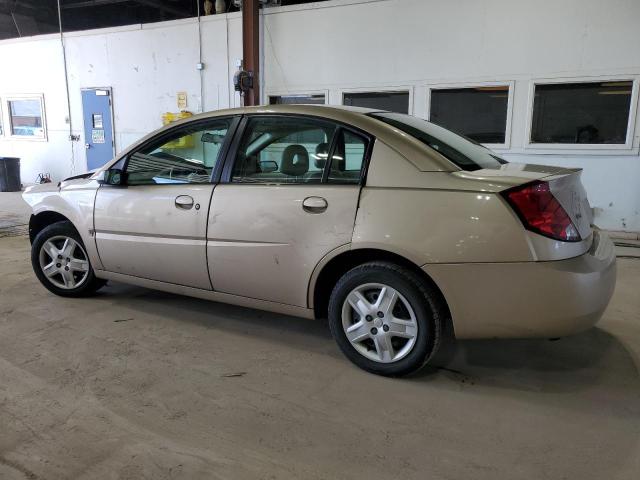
154,225
289,196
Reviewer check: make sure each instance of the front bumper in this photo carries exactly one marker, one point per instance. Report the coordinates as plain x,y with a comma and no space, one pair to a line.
529,299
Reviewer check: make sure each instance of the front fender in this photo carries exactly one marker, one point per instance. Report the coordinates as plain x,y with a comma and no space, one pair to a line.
74,200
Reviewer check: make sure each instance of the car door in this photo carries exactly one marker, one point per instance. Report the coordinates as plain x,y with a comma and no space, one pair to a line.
289,197
154,224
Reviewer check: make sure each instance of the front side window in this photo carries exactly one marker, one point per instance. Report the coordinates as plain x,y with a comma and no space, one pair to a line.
297,99
283,150
389,101
26,117
479,113
188,156
581,113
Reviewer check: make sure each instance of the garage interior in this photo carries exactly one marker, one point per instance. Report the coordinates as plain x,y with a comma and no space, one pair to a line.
135,383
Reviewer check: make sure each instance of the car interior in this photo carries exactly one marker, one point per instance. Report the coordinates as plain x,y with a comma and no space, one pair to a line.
299,157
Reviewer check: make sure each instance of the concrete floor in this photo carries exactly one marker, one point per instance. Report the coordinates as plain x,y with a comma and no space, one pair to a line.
140,384
13,210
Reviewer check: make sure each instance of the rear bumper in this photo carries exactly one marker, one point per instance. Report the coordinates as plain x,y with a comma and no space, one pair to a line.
529,299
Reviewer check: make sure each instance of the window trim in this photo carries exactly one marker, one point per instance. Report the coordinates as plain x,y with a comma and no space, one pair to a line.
390,89
217,169
281,93
25,96
501,83
3,132
230,159
582,148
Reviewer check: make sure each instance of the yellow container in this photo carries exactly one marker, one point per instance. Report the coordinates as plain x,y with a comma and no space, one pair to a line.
182,142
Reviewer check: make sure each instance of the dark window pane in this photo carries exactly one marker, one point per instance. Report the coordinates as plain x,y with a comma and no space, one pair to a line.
478,113
465,153
389,101
589,113
296,99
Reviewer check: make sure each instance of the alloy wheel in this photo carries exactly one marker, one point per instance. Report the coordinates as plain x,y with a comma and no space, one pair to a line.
379,322
64,262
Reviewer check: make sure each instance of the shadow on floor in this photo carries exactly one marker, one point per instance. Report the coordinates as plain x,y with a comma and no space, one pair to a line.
568,364
538,365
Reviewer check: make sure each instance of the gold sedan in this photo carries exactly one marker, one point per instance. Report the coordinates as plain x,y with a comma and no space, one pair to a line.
393,228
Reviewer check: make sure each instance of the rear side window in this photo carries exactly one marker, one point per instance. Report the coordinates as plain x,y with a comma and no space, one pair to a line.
465,153
348,158
283,150
299,150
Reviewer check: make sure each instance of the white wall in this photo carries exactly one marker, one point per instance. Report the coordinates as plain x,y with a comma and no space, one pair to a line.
336,46
145,65
37,67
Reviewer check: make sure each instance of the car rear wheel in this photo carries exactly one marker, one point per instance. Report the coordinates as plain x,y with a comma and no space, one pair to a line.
385,318
61,263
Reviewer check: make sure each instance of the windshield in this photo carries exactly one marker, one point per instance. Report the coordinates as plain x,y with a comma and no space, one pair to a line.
465,153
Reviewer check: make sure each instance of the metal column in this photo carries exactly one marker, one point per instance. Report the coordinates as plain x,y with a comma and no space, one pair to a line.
251,48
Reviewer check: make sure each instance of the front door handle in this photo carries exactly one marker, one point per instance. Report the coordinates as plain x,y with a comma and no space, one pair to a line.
184,202
314,204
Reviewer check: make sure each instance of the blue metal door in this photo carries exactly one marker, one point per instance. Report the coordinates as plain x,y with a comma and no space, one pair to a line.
98,129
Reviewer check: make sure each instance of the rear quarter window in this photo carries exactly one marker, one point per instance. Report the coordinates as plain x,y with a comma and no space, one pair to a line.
463,152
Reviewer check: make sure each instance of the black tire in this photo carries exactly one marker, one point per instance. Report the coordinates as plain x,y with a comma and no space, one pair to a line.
88,286
429,309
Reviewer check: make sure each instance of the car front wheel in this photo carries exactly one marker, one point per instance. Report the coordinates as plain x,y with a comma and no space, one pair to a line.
61,263
385,318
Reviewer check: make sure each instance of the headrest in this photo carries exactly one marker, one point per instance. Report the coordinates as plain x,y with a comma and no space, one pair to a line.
298,154
322,153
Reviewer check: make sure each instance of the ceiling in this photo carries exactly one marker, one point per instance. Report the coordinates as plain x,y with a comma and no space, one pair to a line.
22,18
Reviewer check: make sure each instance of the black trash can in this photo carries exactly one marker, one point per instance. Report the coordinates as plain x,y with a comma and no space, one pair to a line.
10,174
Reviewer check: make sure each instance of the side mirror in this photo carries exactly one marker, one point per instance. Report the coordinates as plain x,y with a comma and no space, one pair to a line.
268,166
111,177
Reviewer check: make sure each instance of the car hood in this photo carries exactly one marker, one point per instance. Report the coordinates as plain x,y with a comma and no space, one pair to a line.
35,193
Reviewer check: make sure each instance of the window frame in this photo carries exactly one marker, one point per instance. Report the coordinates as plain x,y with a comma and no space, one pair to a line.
386,89
500,83
3,133
583,148
167,134
231,154
25,96
279,93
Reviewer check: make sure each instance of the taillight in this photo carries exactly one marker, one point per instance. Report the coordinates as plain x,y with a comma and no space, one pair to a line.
540,212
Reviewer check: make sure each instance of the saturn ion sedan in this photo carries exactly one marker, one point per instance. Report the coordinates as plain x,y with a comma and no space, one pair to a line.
396,230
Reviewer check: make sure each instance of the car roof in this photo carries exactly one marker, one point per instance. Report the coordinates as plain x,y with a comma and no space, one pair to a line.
301,109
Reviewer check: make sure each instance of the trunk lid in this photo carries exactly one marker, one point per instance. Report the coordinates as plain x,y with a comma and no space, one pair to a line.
570,193
565,185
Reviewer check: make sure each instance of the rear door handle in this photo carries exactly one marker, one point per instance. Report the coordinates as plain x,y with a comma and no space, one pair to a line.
184,202
314,204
